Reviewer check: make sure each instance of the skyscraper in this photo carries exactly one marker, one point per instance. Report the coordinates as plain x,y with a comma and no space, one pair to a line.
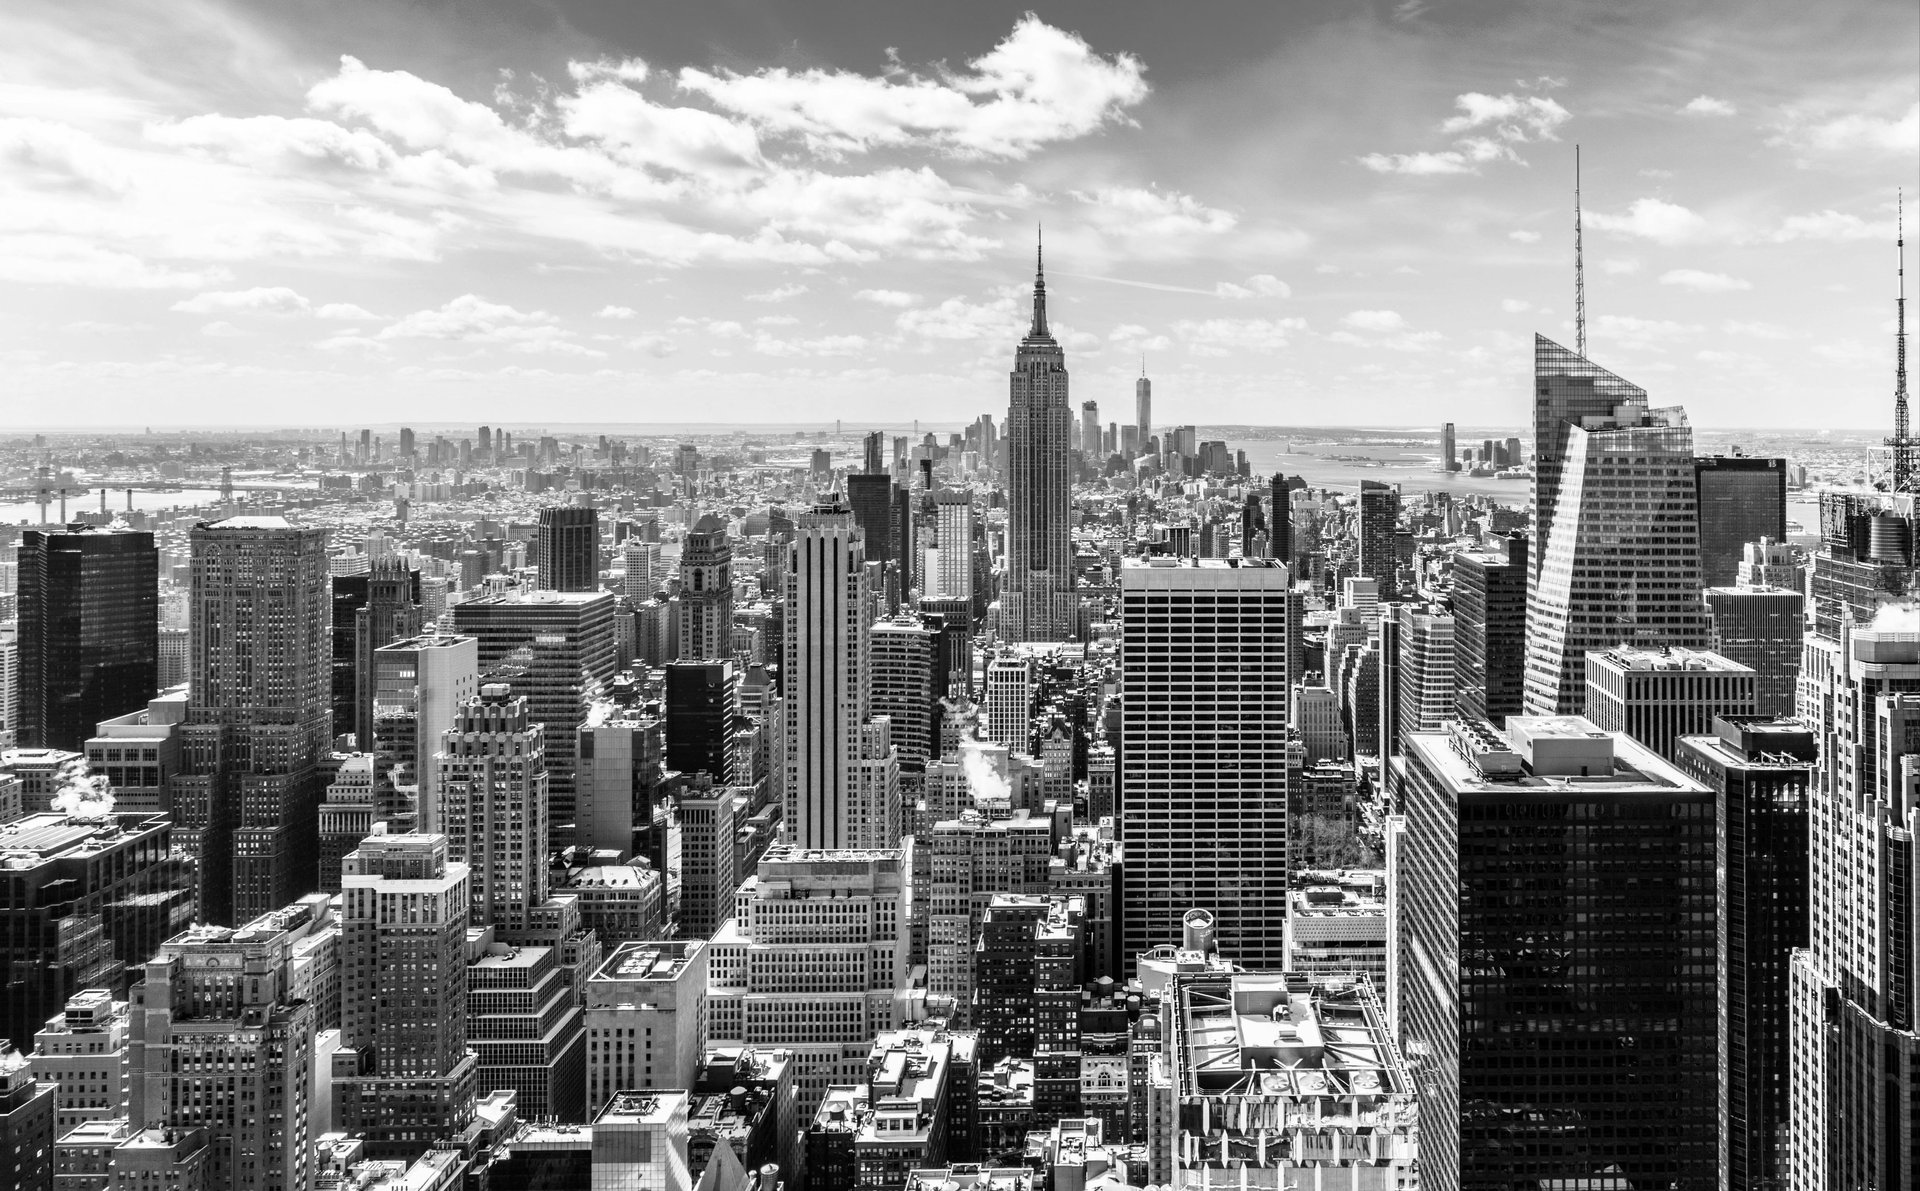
89,624
1142,407
1624,560
824,675
1657,696
1555,903
371,609
1424,678
1566,389
953,513
403,1076
1039,575
1761,773
419,685
702,710
1855,1072
557,648
1449,454
1280,521
258,713
900,676
493,805
1490,629
1763,628
567,548
1090,431
1377,519
1741,499
706,592
1203,748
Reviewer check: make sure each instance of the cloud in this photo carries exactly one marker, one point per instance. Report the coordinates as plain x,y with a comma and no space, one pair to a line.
1619,265
1702,282
1654,219
1151,213
886,297
1852,353
657,346
1831,225
1515,305
1374,320
344,312
221,330
957,318
825,345
1215,336
616,312
1854,132
1524,236
1488,128
1136,338
57,259
1038,86
470,318
1707,105
276,299
1642,332
779,293
1260,285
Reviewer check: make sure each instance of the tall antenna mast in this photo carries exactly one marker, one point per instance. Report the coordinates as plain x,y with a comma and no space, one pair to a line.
1579,267
1902,443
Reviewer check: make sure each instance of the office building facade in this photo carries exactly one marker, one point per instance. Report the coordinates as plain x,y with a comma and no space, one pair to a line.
89,622
824,676
1039,578
1490,630
1203,752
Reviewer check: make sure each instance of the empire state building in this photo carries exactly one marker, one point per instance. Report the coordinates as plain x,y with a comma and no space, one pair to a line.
1036,602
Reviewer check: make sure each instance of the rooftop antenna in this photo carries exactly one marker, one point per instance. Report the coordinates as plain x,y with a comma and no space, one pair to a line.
1579,267
1904,478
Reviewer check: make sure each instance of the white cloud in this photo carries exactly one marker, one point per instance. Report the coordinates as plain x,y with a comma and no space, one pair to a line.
1515,305
1831,225
58,259
1214,336
1152,214
778,293
1641,331
344,312
617,312
1654,219
1489,128
886,297
1852,353
277,299
825,345
1136,338
1702,282
1374,320
1707,105
1260,285
1524,236
1852,132
957,318
1756,330
1619,265
221,330
470,318
1038,86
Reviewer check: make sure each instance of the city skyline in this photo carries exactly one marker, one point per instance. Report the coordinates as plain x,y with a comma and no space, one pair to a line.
454,216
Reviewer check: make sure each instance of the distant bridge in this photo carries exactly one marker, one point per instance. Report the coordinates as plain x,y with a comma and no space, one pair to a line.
45,492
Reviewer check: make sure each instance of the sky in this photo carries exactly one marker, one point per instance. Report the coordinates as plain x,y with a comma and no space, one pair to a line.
567,211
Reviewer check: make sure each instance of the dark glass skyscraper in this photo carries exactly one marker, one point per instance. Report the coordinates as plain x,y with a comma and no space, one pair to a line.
1280,520
1379,517
1761,773
1557,985
1490,630
89,631
703,703
369,610
1039,576
566,548
1741,499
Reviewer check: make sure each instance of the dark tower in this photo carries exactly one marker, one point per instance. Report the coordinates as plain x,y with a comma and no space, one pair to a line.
567,548
89,631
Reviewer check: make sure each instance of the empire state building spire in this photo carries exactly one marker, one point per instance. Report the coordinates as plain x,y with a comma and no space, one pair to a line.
1039,328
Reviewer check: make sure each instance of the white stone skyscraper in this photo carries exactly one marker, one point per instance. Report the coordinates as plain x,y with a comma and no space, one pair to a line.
1203,789
953,520
1036,597
706,592
1621,556
825,669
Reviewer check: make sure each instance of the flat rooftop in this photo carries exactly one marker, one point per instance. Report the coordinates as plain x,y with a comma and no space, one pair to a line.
1678,658
647,961
1546,755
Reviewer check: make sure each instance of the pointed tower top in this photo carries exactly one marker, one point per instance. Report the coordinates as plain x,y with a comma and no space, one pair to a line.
1039,328
1579,267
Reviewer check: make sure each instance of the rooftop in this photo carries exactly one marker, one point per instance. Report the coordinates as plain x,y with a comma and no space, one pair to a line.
1631,657
640,1108
648,961
1283,1035
1548,755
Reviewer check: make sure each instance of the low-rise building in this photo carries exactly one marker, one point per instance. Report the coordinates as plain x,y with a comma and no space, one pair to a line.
84,1051
1337,925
